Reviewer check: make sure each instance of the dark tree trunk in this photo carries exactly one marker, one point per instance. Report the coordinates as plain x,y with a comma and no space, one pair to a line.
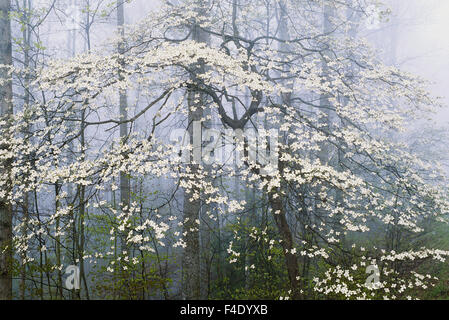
191,264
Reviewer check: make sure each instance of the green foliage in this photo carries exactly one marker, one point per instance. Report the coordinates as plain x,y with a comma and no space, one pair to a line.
259,272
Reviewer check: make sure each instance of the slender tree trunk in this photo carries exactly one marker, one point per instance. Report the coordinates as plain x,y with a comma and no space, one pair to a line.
59,292
279,215
6,110
26,34
191,208
191,267
124,178
82,188
324,153
82,214
275,197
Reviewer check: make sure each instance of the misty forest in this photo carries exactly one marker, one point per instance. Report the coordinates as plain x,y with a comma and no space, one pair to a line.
224,149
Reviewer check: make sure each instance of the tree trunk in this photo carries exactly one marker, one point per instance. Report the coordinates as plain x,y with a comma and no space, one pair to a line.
124,178
279,215
26,34
275,197
6,110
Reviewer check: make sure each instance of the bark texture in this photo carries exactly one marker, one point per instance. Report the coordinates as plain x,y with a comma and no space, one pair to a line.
5,112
